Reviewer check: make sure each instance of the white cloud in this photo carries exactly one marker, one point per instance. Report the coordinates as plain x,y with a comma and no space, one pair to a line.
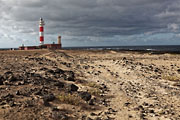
173,27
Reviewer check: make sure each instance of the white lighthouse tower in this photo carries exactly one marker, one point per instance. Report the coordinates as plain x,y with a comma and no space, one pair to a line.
41,31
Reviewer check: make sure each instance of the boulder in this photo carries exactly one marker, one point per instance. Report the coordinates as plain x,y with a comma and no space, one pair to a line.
57,115
18,93
91,102
8,73
59,71
12,79
1,80
178,70
85,96
50,71
59,84
49,97
73,88
69,75
11,104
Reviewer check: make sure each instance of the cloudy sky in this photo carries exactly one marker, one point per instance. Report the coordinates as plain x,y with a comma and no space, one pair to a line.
91,22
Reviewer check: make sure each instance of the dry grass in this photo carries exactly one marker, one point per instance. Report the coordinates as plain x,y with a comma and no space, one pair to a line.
95,91
171,78
94,88
93,85
72,99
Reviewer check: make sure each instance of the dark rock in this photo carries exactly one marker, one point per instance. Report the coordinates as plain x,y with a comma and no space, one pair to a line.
127,104
151,111
12,79
83,117
1,81
103,87
93,114
59,84
8,73
41,92
8,97
70,79
96,73
59,71
43,69
130,116
29,103
86,67
85,96
17,92
37,75
11,104
145,104
142,115
88,118
111,110
9,76
73,87
68,65
178,70
69,76
50,71
59,116
91,102
140,107
124,58
49,97
156,70
45,103
2,103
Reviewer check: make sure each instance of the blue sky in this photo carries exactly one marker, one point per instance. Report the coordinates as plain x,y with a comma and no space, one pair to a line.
90,22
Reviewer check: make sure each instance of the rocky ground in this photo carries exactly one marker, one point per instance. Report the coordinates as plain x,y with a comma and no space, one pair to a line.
89,85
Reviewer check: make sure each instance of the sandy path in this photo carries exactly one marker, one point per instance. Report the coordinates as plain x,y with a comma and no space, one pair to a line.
113,82
136,85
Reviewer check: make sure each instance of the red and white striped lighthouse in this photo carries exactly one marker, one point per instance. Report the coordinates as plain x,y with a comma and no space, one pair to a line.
41,31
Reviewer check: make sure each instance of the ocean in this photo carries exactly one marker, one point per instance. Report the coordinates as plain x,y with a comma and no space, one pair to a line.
155,48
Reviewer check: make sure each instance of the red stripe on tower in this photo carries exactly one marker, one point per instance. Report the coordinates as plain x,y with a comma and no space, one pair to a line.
41,31
41,38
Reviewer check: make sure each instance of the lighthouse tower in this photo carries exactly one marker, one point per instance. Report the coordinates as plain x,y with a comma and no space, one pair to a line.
41,31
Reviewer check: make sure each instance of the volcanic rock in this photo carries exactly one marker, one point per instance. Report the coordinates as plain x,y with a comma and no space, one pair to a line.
178,70
85,96
1,80
72,87
49,97
59,116
59,71
59,84
69,76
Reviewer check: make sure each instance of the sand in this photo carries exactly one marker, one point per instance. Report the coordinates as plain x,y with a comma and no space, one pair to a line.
124,85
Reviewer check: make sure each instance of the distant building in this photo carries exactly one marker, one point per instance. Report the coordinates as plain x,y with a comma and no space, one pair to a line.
50,46
44,46
41,36
28,47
